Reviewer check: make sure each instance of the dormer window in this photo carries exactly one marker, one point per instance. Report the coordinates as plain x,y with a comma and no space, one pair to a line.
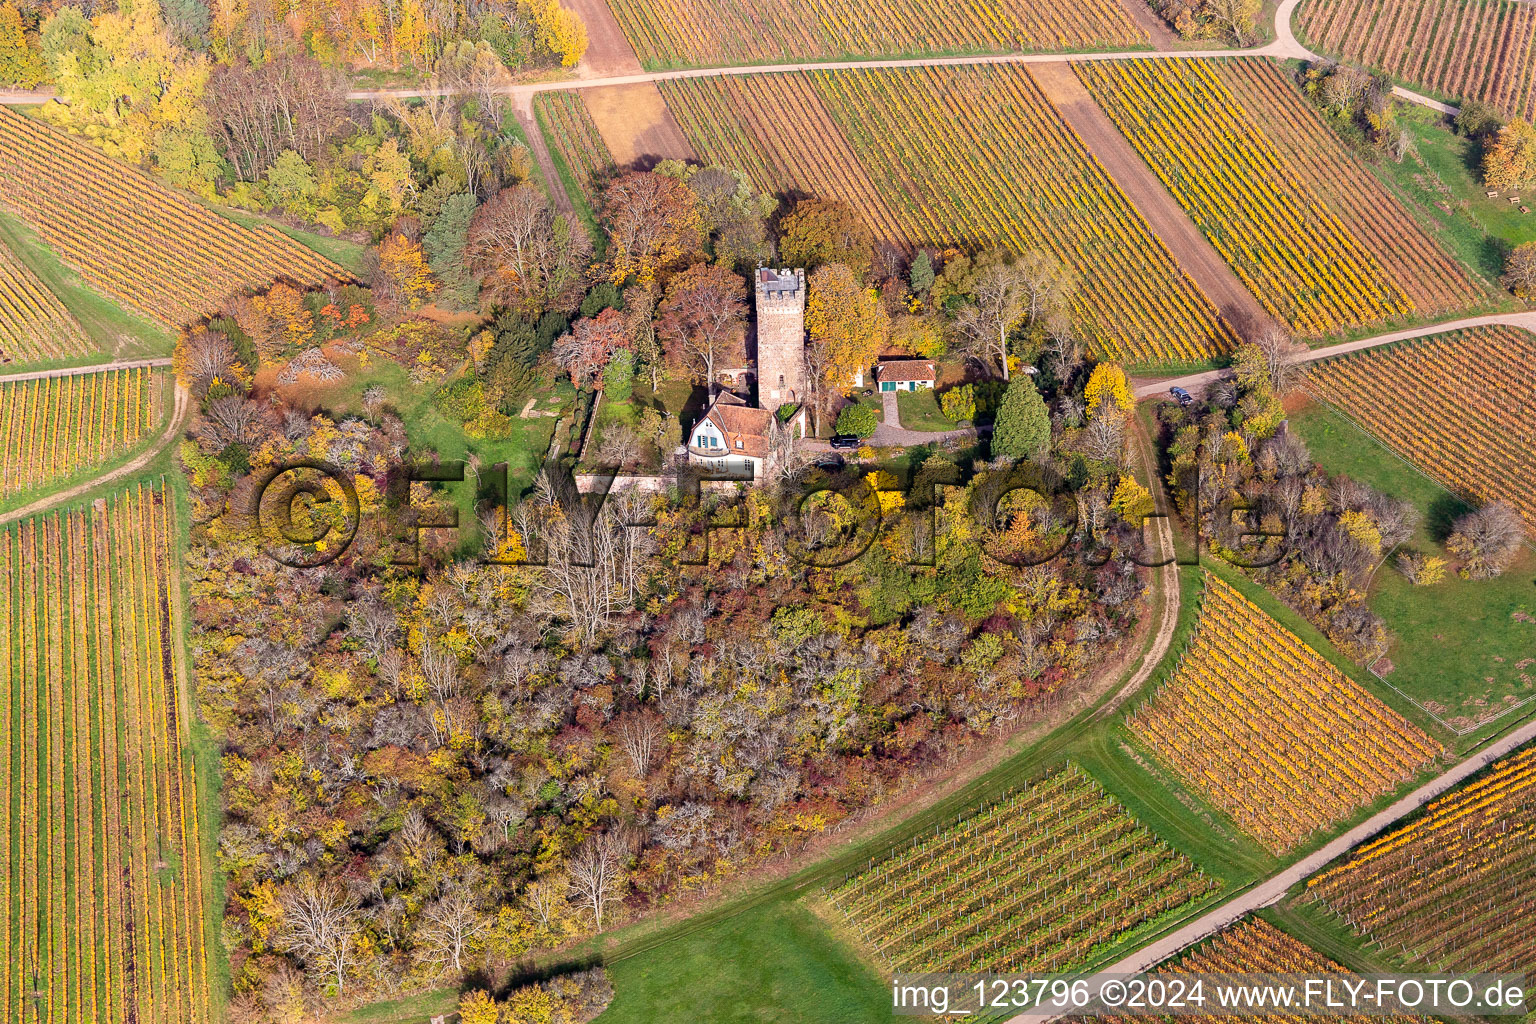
738,445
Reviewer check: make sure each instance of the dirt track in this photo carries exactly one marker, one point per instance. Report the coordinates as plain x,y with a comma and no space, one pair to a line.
179,415
1168,577
540,147
72,371
1163,214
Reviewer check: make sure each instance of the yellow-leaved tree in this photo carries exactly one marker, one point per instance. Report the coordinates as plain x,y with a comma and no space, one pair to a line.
1108,381
1510,159
403,275
138,94
847,323
559,31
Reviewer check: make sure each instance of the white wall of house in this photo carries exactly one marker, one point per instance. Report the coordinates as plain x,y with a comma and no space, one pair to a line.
707,436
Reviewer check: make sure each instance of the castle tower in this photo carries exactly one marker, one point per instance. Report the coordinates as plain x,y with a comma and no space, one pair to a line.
781,373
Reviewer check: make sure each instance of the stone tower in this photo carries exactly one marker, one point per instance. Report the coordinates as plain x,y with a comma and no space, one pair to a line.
781,373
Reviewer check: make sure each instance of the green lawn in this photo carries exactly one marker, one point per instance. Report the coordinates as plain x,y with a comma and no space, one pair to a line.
679,400
919,410
1461,666
1444,181
770,963
430,430
119,333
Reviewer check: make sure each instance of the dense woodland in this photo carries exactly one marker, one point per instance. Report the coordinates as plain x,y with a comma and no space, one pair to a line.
443,768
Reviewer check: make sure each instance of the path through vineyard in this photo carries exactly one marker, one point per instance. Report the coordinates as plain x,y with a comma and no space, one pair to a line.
1274,888
179,415
1191,250
1195,382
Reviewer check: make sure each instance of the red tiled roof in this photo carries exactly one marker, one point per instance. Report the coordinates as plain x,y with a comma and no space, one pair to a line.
904,370
739,421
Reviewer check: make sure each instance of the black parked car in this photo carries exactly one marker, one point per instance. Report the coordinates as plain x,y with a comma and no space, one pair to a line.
1181,396
845,441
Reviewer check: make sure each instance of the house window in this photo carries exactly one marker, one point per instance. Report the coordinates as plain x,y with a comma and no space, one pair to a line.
705,441
738,445
887,386
781,382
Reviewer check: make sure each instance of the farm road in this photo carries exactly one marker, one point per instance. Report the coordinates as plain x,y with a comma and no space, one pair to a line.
1199,381
1274,888
605,65
1285,46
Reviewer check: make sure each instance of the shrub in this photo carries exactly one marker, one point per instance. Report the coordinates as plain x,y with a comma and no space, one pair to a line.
619,376
958,404
858,419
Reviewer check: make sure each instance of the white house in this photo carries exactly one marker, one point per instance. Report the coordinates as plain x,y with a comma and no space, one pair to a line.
904,374
731,438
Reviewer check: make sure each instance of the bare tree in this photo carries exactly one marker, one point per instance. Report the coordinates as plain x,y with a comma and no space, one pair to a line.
639,735
234,419
449,924
701,320
1046,283
597,875
1238,17
526,254
1103,438
320,926
1488,539
587,554
1033,287
1282,357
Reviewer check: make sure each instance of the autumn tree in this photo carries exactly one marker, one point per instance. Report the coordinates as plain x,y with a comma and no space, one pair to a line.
21,63
1509,159
1520,271
701,321
560,31
403,277
256,112
292,324
586,350
1108,383
1487,540
640,309
734,213
527,256
653,223
1271,360
997,308
959,403
823,231
848,319
204,357
478,1007
138,94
